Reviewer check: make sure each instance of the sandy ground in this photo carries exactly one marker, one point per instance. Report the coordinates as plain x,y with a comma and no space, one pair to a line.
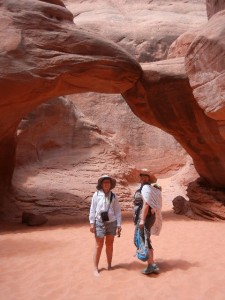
55,262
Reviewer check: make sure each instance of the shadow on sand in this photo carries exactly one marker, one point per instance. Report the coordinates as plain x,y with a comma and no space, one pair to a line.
164,265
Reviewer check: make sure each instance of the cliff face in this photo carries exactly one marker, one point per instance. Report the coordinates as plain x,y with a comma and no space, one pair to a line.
214,6
47,56
146,30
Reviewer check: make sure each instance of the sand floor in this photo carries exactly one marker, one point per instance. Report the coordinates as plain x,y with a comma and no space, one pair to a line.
55,263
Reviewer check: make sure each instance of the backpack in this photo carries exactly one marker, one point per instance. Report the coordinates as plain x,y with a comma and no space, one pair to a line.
142,251
138,204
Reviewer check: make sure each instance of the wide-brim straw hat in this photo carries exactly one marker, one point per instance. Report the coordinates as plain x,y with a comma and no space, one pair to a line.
152,177
112,180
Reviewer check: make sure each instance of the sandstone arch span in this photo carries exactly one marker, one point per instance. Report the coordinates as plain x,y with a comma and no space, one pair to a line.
44,55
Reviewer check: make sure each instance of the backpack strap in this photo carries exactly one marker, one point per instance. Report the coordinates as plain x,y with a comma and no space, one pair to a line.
111,197
146,183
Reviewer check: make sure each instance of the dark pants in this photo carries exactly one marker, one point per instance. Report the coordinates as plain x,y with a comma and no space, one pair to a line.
146,230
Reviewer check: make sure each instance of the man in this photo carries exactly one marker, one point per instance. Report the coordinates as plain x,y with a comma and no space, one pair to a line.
150,218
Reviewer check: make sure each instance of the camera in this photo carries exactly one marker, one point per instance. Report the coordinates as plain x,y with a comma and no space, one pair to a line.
104,216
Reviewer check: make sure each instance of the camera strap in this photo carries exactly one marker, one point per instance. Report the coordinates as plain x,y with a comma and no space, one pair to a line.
110,200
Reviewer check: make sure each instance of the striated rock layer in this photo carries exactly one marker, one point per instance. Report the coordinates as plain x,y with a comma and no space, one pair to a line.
163,97
213,6
144,28
207,72
206,202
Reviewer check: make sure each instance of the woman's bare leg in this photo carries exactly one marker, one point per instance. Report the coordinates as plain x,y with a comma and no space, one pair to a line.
109,249
97,253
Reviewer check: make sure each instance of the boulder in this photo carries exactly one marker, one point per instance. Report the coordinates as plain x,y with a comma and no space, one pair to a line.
31,219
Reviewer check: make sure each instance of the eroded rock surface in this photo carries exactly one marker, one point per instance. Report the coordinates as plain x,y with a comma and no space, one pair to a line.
144,28
213,6
164,98
47,57
60,155
207,72
204,50
206,202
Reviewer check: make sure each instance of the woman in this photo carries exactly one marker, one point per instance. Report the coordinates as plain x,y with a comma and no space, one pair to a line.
105,219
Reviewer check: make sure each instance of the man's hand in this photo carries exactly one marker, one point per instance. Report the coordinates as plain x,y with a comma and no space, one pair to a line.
119,229
92,228
142,222
153,210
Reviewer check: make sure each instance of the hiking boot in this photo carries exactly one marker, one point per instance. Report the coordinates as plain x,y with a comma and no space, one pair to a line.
157,270
153,268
